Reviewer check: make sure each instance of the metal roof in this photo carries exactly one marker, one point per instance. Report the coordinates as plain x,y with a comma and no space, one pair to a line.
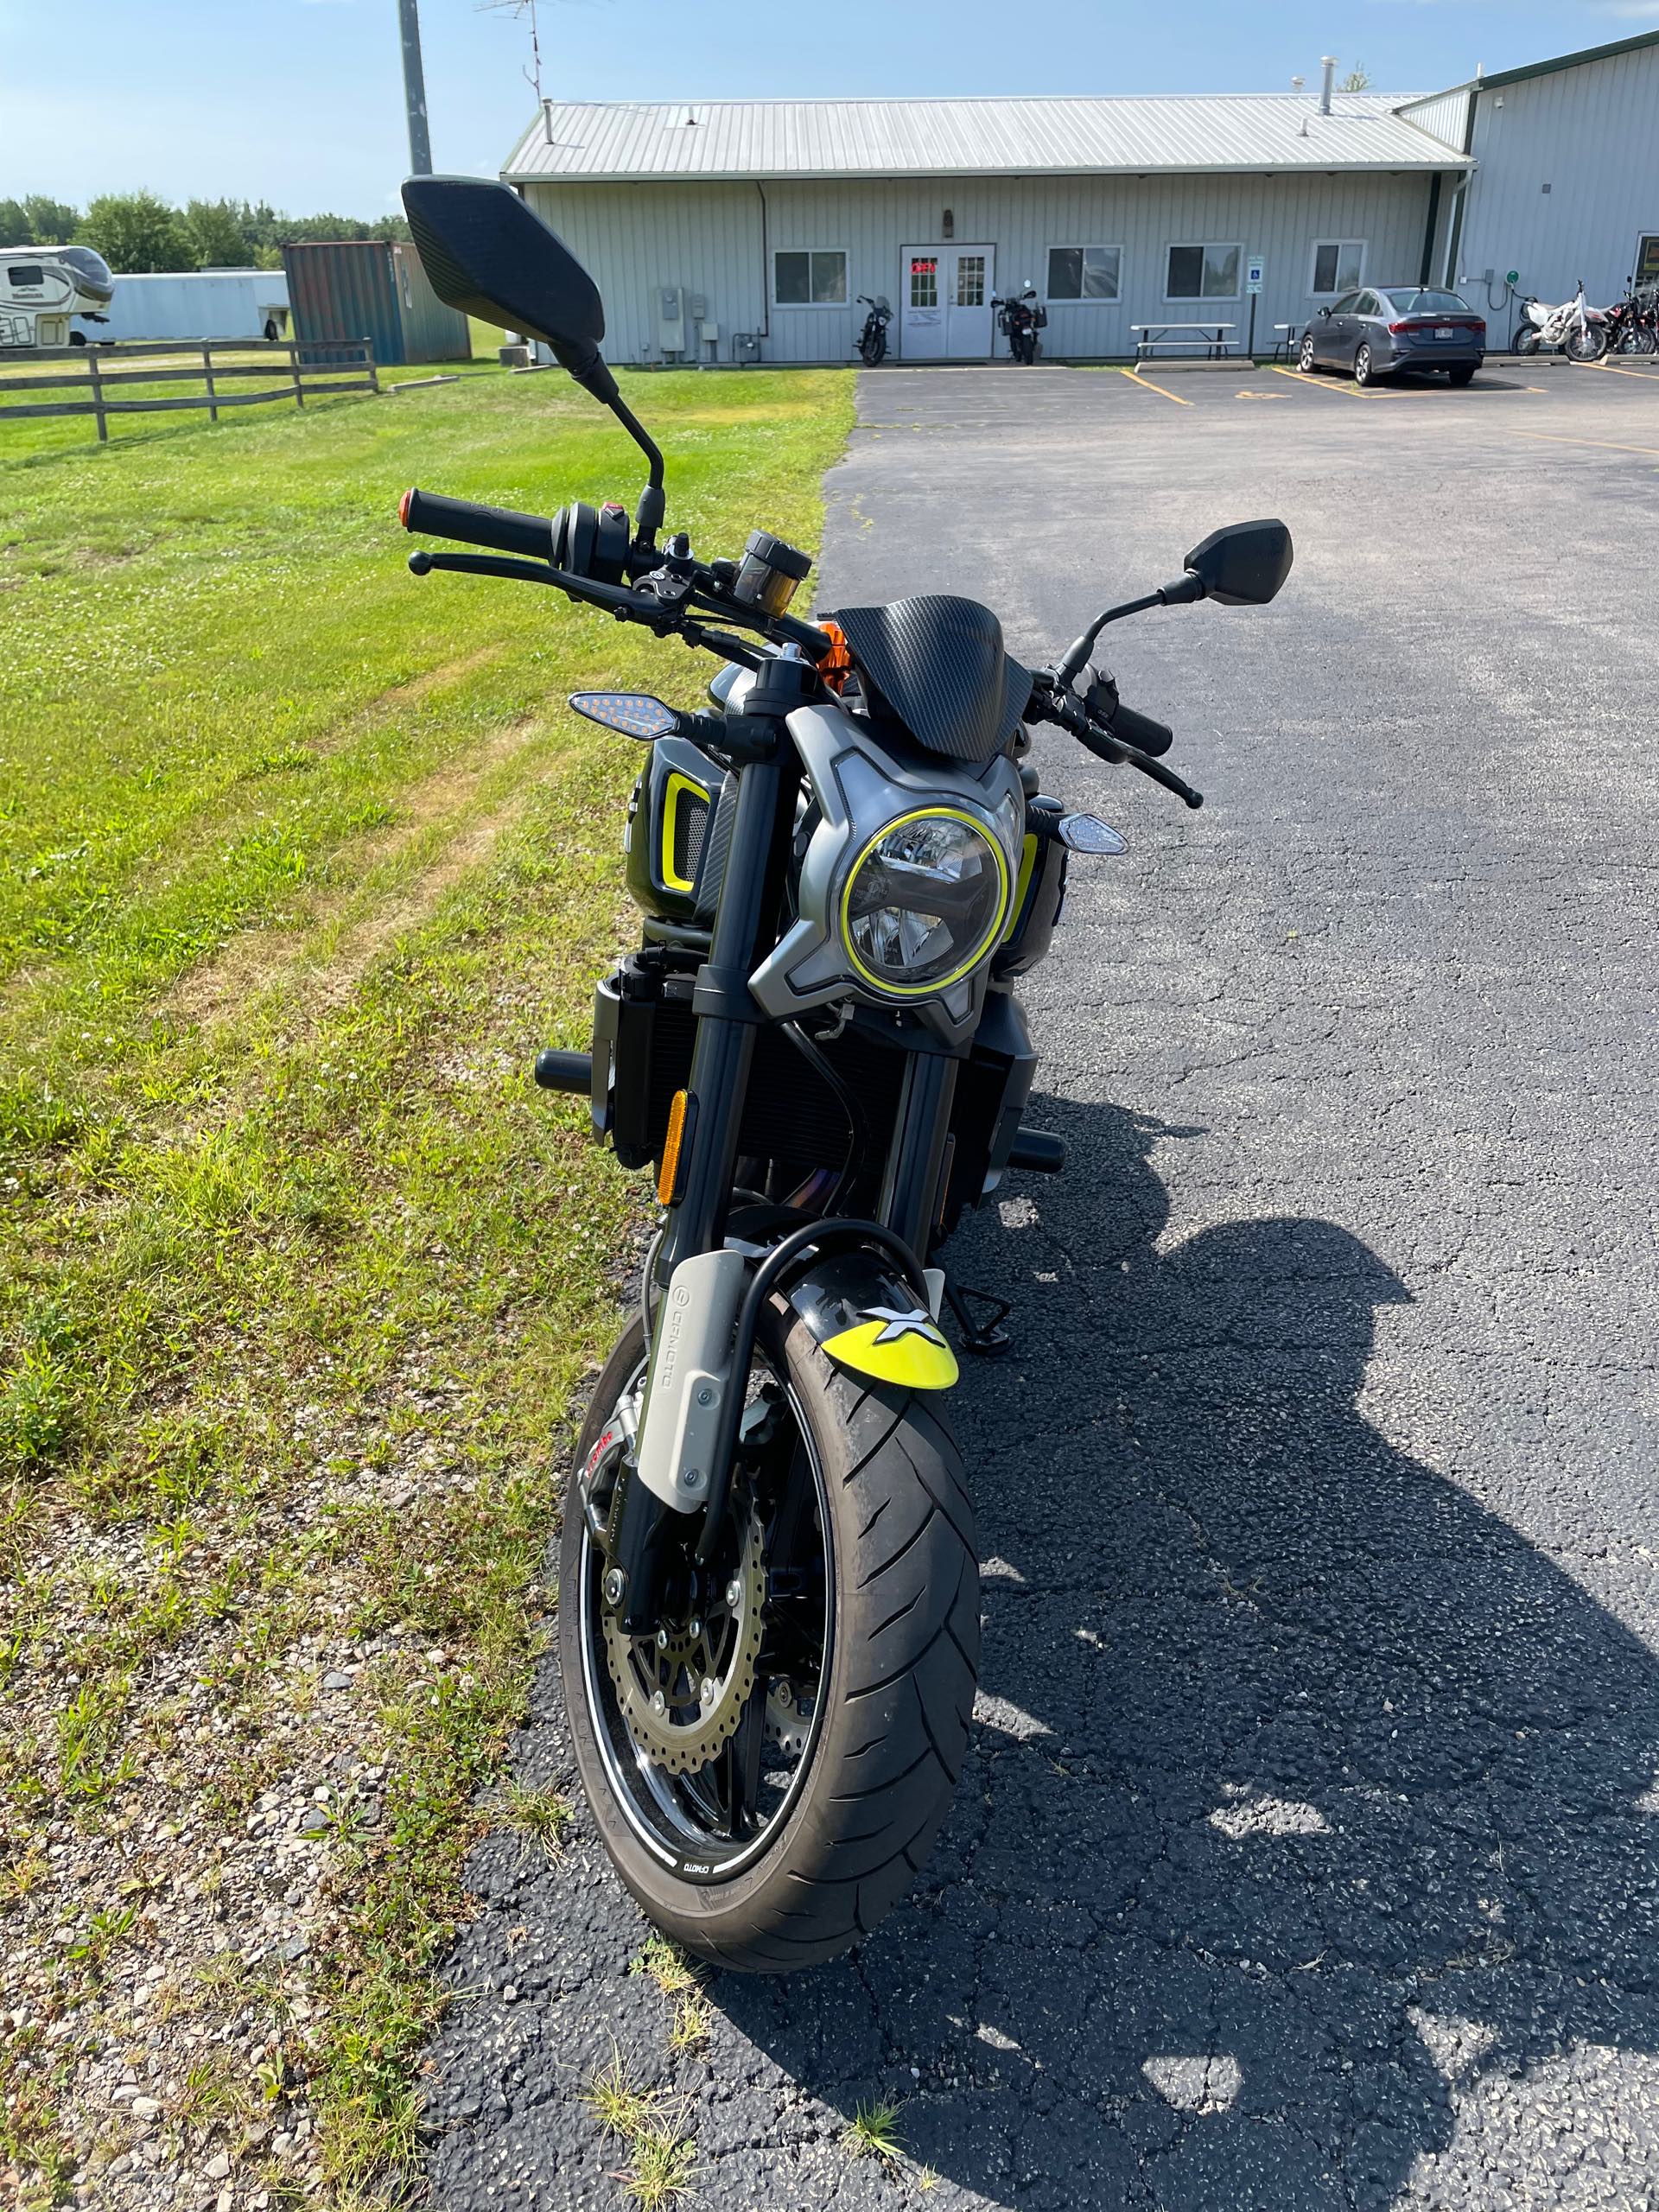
1138,137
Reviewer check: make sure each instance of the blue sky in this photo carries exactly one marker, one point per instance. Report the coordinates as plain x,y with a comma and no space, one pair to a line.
300,101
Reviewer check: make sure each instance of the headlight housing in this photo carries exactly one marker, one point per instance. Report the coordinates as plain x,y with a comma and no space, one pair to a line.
924,902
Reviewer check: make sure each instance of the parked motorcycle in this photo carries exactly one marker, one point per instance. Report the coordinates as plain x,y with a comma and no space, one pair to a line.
769,1595
872,339
1019,319
1573,328
1633,324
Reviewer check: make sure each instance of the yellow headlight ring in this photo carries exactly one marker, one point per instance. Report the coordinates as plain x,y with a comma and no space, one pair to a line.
938,984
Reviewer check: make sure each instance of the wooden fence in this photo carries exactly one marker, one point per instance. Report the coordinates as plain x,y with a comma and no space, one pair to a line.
344,366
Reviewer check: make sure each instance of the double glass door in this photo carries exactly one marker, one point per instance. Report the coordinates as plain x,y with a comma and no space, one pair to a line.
944,293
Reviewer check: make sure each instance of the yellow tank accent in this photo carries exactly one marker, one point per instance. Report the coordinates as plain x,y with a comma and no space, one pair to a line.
905,1348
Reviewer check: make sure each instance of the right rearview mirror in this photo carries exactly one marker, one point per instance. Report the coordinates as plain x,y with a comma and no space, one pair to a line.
486,254
1243,565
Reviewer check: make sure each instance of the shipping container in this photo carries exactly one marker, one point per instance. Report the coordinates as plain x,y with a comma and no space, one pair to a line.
351,290
198,303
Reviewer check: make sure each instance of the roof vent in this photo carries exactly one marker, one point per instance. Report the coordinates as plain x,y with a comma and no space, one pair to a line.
1328,63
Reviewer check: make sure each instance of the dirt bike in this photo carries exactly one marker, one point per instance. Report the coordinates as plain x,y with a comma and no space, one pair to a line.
769,1594
1020,321
872,339
1577,330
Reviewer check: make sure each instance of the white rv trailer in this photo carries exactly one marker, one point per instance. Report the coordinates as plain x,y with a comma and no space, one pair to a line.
216,304
41,287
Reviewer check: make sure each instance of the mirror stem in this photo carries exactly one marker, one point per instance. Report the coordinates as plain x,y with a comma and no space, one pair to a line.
1076,659
648,515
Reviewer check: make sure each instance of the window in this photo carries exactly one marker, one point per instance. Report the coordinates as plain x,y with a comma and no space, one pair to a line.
1338,266
971,280
1202,272
924,280
1413,301
1367,303
27,273
812,278
1346,304
1084,272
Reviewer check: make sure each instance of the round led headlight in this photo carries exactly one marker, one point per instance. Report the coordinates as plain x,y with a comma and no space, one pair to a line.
924,903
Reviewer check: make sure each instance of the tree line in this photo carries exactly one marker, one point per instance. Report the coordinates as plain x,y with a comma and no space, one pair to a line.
139,233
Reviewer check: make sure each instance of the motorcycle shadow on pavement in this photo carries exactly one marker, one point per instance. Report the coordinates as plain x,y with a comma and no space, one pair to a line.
1307,1801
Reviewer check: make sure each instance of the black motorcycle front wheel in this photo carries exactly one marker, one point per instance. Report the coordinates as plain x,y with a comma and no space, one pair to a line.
769,1768
873,350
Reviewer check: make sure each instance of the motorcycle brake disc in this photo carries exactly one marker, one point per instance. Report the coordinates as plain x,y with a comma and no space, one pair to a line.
681,1691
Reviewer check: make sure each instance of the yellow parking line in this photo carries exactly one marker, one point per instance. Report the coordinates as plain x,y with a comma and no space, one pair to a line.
1606,445
1136,377
1613,370
1312,383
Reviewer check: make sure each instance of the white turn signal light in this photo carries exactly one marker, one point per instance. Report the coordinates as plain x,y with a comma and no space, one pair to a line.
1087,833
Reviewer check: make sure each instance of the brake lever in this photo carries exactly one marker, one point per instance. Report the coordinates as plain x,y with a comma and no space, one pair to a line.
1159,775
1062,706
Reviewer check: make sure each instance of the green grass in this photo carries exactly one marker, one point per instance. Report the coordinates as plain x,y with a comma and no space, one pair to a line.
300,860
872,2132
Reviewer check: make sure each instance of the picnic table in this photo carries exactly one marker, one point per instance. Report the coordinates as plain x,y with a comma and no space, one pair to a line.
1209,339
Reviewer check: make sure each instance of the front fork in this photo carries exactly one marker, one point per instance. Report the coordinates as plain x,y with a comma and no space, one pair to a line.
751,887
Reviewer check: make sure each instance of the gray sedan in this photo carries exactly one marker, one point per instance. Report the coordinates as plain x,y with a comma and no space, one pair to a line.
1386,328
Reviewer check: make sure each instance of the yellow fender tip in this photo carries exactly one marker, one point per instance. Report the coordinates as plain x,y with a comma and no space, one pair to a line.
913,1354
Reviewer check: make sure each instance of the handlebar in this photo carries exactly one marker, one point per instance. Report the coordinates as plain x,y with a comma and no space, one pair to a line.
1141,731
1114,741
469,522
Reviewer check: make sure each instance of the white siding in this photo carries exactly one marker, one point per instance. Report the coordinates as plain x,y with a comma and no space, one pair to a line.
1444,116
637,238
1592,134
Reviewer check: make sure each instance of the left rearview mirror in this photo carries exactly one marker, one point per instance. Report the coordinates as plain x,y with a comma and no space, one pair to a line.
1243,565
486,254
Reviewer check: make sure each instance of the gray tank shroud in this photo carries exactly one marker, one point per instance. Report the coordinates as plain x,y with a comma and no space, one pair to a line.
861,785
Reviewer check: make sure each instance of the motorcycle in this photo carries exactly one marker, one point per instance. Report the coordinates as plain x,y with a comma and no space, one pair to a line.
872,339
1633,324
769,1593
1579,331
1019,319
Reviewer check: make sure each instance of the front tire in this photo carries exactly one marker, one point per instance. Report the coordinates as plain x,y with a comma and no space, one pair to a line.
890,1732
1585,345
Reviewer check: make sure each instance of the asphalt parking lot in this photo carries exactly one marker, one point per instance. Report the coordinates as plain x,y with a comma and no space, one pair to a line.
1308,1853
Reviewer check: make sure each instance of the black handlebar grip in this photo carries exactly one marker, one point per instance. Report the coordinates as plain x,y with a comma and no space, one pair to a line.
469,522
1141,731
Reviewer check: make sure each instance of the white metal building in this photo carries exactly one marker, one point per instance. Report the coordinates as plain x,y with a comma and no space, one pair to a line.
747,229
1564,182
709,225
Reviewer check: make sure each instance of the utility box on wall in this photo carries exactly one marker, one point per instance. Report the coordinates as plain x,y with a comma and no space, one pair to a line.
670,320
746,348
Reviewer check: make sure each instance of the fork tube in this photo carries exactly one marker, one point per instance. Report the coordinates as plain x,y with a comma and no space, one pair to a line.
909,1188
726,1018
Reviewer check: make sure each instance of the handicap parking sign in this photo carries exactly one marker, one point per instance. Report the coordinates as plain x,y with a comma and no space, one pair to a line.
1253,272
